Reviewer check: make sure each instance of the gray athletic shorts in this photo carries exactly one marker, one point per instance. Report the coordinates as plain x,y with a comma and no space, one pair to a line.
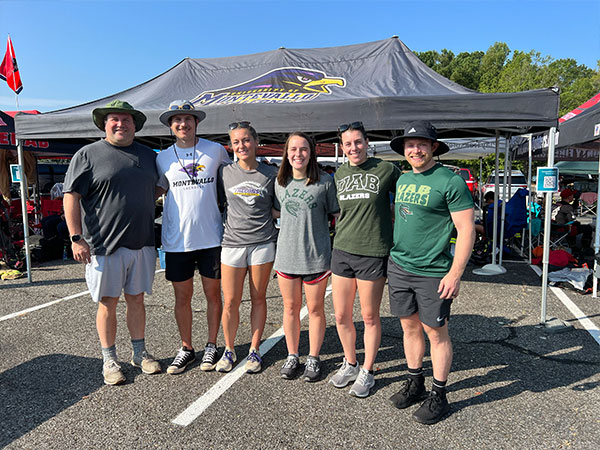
410,293
253,255
131,271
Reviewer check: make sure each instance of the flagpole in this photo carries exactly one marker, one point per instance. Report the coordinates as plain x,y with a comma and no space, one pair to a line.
23,176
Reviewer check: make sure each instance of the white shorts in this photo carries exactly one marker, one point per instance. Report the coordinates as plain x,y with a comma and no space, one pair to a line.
254,255
131,271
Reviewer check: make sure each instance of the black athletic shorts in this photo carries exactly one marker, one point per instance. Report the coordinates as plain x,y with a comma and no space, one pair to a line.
349,265
180,266
410,293
312,278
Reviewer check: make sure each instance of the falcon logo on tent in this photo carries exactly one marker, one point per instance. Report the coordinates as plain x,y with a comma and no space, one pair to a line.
2,123
283,85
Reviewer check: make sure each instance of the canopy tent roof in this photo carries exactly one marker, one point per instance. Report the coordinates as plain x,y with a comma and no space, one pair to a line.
581,130
37,146
381,83
577,167
460,149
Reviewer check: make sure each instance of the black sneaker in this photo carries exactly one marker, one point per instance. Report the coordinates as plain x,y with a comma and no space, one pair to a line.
185,356
412,391
210,358
312,369
290,368
433,409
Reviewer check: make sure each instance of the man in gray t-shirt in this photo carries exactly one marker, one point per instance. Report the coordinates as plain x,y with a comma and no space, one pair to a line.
109,208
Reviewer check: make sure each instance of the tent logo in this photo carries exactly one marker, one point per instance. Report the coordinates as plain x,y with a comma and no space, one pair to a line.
282,85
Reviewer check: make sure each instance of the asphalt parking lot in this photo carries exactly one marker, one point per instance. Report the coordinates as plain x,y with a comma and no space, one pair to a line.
512,384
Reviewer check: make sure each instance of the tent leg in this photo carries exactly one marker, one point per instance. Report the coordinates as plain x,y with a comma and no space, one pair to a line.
24,196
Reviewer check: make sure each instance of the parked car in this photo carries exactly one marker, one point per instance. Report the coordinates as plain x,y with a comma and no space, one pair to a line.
518,181
469,179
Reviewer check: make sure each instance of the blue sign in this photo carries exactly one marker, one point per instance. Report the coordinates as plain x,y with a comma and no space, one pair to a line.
15,173
547,179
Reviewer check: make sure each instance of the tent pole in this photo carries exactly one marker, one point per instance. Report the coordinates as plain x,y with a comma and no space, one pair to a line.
530,202
493,268
596,241
547,216
505,197
479,185
24,207
496,196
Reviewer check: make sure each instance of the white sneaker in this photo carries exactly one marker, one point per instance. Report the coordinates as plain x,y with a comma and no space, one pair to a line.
345,375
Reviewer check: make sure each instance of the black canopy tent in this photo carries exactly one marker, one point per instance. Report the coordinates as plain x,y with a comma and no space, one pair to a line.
583,130
39,147
381,83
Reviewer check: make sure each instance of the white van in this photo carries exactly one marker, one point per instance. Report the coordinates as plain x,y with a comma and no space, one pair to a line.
517,181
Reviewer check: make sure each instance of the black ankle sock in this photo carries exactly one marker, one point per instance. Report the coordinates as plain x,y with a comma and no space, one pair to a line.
415,372
371,372
416,375
439,387
355,364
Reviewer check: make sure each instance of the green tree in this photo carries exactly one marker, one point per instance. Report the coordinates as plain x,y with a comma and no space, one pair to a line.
491,66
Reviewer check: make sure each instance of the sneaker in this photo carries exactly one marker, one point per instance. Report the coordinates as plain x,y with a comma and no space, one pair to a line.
112,373
146,362
312,369
290,367
184,358
363,384
412,391
225,364
345,375
253,361
209,360
433,409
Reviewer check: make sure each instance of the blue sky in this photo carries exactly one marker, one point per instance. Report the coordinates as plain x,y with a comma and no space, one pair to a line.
70,52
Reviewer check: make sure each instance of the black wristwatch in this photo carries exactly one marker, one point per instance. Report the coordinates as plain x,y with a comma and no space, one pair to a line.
75,238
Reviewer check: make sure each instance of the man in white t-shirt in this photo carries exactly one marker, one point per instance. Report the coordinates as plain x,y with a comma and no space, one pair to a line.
192,226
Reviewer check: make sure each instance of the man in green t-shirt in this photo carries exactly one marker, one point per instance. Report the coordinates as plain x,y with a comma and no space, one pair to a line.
423,276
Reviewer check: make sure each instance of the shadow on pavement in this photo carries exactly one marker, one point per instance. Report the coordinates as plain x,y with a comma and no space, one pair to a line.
495,358
37,390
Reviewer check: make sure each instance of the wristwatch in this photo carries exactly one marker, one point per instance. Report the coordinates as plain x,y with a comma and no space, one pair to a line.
75,238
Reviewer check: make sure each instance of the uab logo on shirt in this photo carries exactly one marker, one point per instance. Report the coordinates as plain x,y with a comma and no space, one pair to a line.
410,194
293,199
357,186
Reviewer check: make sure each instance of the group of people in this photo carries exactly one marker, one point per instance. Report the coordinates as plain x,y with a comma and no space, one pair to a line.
219,216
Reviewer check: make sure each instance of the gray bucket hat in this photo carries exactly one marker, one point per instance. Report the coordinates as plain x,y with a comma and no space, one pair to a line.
419,129
180,107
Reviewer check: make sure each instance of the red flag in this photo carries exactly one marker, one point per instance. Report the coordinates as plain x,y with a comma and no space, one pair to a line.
9,71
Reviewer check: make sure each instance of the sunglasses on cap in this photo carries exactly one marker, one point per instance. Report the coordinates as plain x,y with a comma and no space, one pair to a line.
186,106
351,126
234,125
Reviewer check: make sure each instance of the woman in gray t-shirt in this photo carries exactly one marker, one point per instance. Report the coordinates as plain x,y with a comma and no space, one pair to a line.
248,244
305,196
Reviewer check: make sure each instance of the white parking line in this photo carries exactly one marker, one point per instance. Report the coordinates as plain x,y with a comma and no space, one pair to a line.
45,305
53,302
577,313
194,411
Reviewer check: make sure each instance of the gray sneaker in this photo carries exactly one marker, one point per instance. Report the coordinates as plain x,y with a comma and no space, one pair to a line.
345,375
146,362
111,370
363,384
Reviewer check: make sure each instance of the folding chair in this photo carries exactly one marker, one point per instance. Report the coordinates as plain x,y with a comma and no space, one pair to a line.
588,202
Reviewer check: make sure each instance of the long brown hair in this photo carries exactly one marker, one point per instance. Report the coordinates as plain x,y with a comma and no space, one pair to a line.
312,170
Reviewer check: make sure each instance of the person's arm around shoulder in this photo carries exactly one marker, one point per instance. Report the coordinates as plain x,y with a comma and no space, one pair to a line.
464,221
72,207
